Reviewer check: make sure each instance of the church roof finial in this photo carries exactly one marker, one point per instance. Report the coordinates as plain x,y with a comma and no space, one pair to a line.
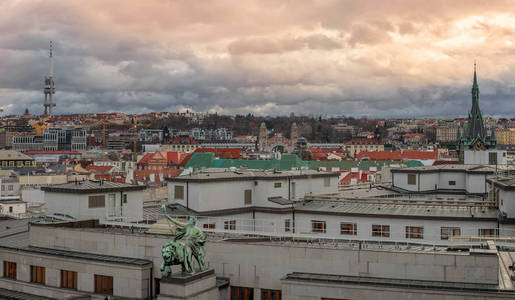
474,85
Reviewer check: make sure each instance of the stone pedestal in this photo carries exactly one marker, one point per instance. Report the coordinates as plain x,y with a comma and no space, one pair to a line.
198,286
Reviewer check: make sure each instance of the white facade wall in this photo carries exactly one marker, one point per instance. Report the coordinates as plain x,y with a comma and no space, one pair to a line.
428,181
473,157
476,183
507,202
469,182
431,228
216,195
244,221
33,196
400,180
13,208
274,224
262,265
77,205
128,281
458,177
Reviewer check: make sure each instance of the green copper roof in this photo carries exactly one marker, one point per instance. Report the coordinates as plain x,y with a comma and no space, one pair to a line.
287,162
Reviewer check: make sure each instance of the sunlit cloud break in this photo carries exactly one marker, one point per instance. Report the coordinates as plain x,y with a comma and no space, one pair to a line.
373,58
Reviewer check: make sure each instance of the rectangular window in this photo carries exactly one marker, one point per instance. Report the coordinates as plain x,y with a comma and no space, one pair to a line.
452,182
3,187
37,274
230,225
10,187
414,232
277,185
242,293
492,158
9,270
412,179
488,232
27,163
348,228
327,181
179,192
446,232
103,284
68,279
287,225
318,226
97,201
209,226
381,230
157,286
270,294
248,197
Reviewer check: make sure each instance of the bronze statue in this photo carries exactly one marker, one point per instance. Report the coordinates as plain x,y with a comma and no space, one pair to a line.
176,252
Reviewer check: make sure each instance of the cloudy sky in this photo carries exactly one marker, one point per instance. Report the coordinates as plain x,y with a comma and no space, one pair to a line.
396,58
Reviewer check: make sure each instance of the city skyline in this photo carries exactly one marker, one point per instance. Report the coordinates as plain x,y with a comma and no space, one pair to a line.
396,59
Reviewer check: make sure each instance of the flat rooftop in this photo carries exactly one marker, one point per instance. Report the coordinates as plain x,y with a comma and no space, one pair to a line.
222,237
449,168
392,282
419,210
250,175
90,186
505,182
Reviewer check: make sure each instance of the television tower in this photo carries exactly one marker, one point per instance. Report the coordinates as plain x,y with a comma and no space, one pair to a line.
49,89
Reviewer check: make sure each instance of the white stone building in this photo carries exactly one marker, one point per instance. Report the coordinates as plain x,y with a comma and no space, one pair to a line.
96,200
468,179
205,192
261,203
12,207
502,191
86,260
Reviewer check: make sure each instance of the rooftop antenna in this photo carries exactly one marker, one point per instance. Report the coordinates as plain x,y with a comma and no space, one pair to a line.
49,89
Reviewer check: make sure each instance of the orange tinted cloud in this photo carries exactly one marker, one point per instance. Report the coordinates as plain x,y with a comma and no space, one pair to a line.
378,58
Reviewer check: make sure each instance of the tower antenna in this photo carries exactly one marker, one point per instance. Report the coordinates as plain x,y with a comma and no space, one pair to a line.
49,88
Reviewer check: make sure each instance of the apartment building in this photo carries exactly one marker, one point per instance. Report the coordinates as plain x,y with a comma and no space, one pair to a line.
355,146
446,134
53,139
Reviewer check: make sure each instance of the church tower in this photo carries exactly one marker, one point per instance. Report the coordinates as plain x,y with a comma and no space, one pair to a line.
294,133
262,136
474,135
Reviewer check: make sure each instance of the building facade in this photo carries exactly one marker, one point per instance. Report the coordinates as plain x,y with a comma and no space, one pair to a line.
96,199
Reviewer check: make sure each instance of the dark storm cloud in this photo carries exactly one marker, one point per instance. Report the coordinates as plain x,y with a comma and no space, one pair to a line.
401,58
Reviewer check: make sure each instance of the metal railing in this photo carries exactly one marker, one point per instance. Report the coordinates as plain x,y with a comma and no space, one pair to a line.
274,228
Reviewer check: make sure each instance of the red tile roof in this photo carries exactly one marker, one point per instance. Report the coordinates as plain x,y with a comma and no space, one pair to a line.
172,158
227,153
99,169
144,175
397,155
319,155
